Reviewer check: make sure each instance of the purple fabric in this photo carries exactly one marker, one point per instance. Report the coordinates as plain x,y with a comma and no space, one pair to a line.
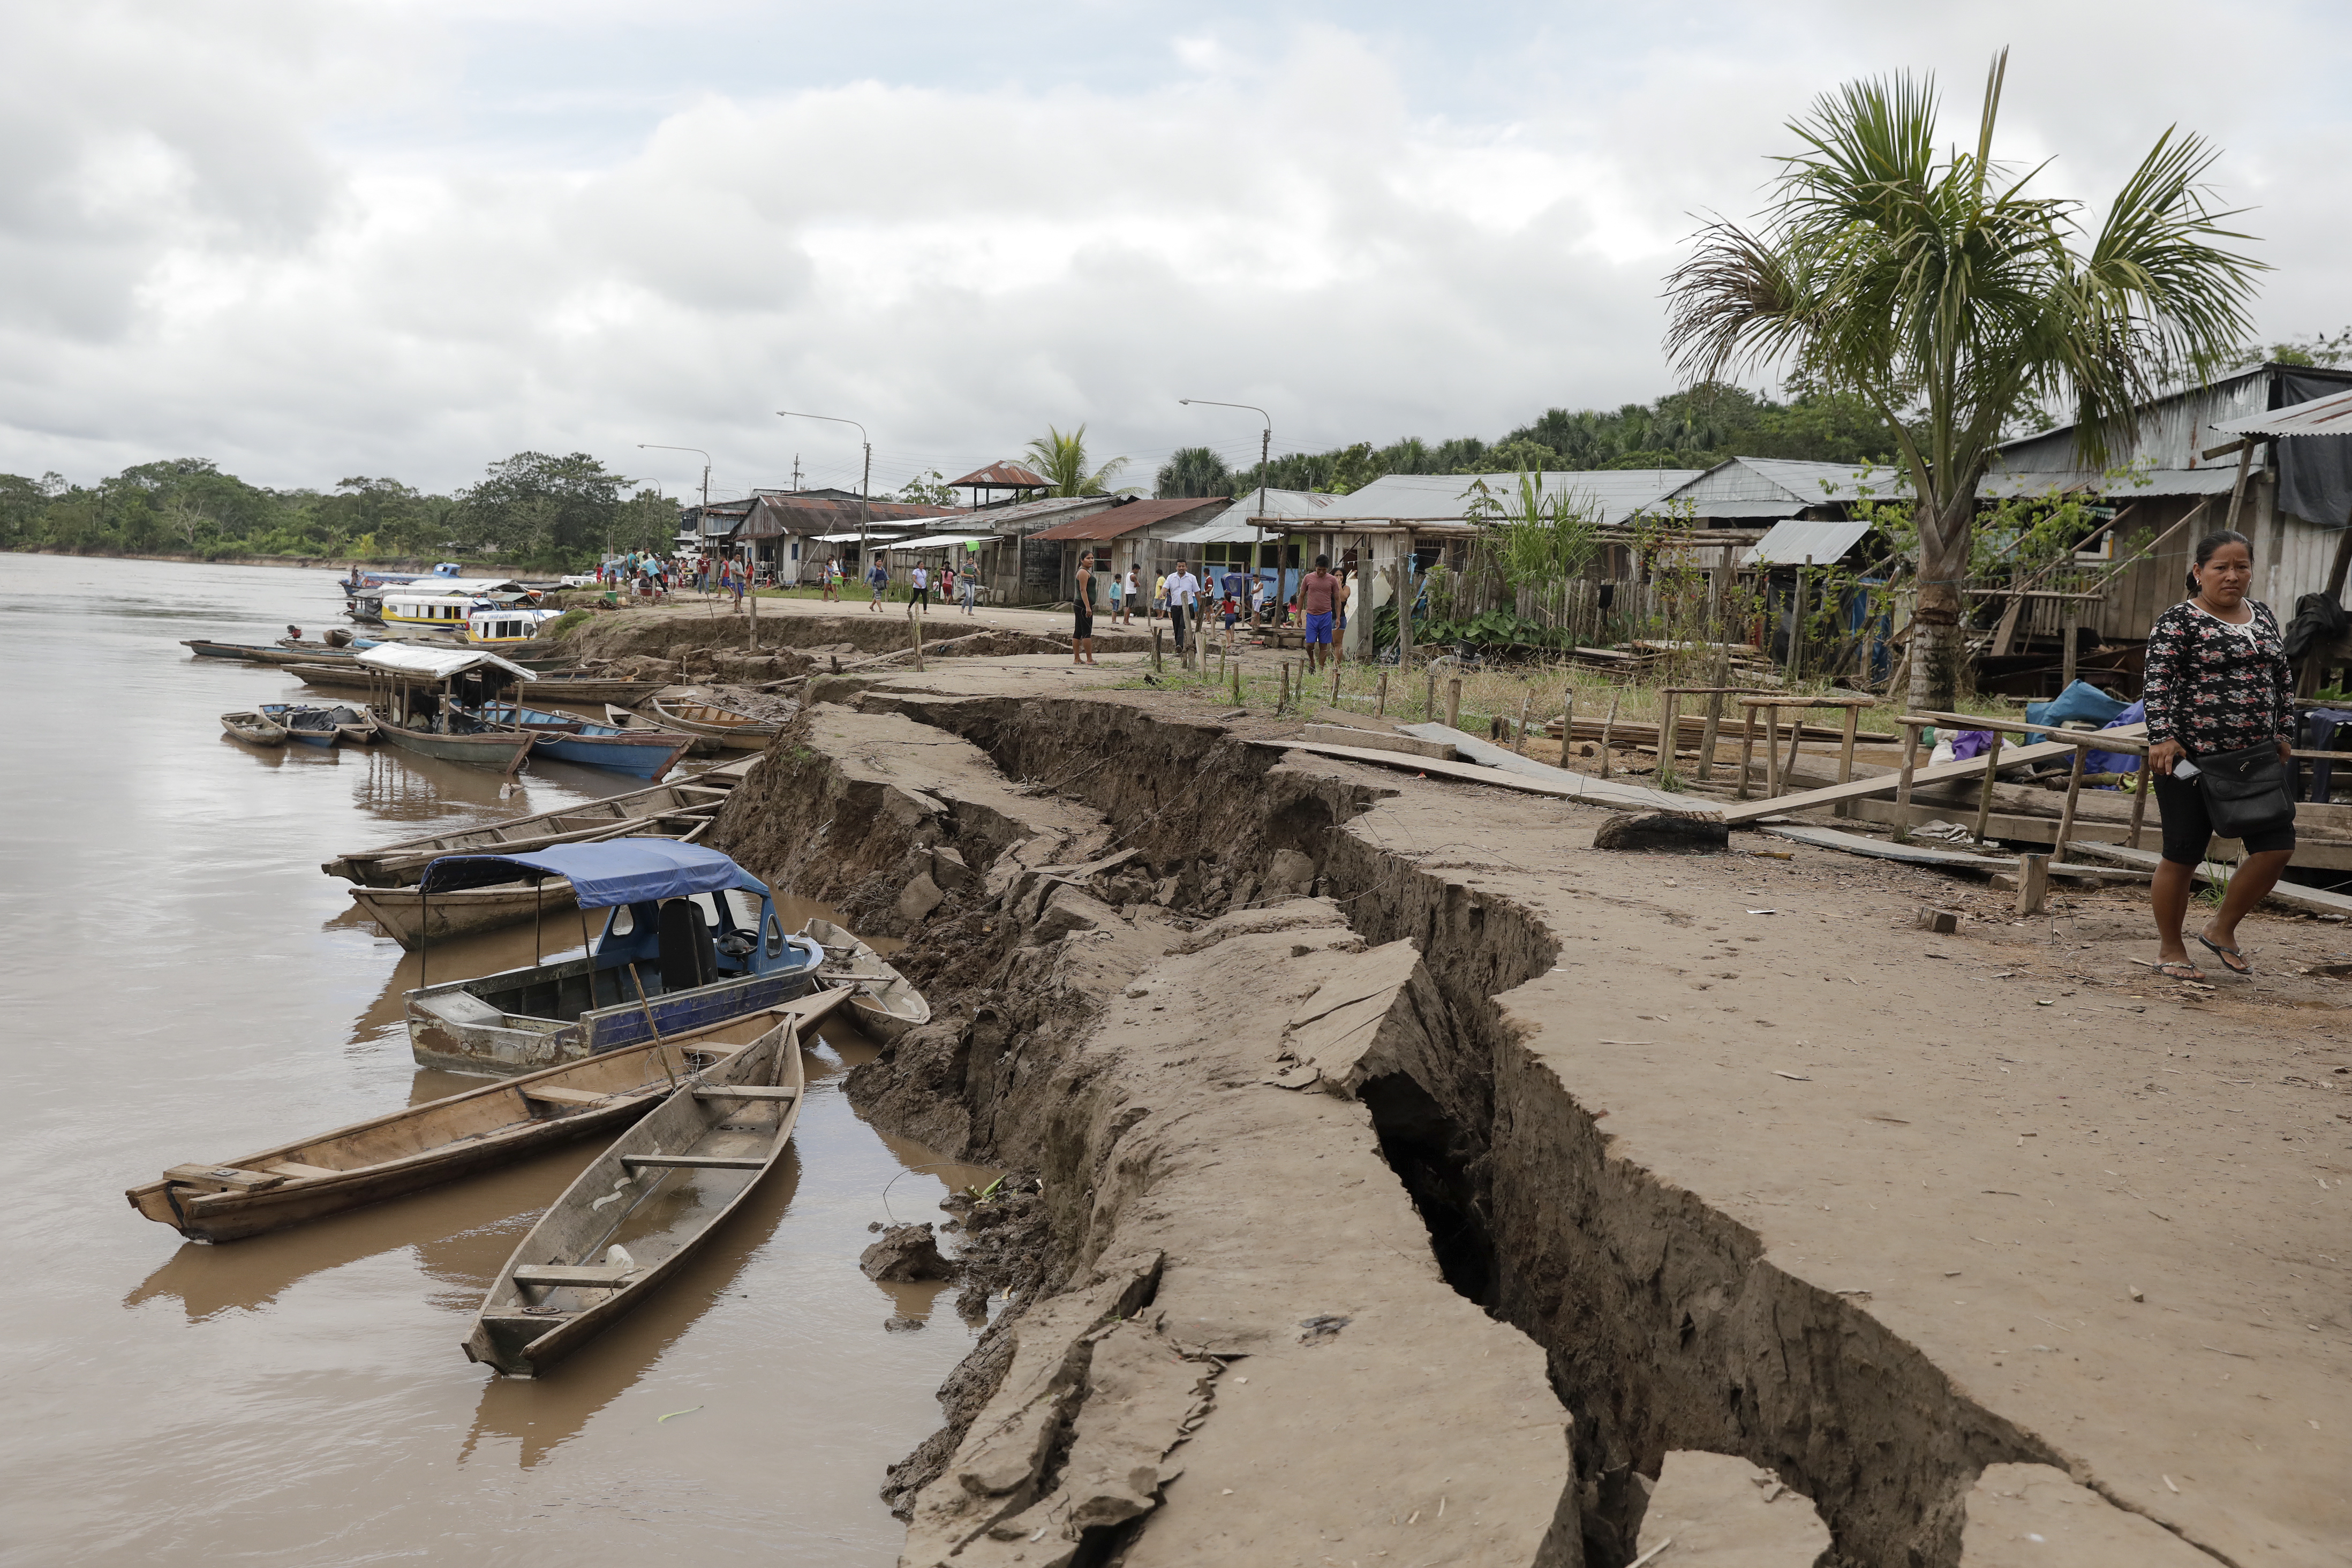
2116,761
1966,744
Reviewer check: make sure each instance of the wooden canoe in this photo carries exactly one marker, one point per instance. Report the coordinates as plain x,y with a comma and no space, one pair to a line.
569,686
883,1005
253,730
641,1208
740,732
682,805
422,1146
310,723
401,912
504,749
630,723
261,653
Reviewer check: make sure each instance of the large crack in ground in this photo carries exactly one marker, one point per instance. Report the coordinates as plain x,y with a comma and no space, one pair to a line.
1079,856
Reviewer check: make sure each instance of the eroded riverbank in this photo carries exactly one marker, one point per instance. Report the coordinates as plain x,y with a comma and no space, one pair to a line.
1732,1172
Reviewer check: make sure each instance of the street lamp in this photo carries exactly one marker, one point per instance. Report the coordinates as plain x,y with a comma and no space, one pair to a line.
864,485
657,446
1264,456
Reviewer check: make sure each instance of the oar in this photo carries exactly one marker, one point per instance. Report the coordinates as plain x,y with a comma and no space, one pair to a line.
661,1046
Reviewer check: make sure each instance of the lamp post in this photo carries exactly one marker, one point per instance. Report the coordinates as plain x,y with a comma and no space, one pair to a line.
1264,457
864,485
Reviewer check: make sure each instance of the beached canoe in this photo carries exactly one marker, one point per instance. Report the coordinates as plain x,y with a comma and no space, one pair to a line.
259,652
740,732
567,738
635,1214
400,913
630,723
422,1146
661,811
504,749
883,1005
253,730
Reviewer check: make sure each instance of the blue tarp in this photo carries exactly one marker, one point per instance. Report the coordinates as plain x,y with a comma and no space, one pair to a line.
617,871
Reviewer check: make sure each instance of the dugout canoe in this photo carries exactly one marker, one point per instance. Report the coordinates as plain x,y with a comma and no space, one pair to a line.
400,912
630,723
253,730
504,749
681,805
883,1005
632,1218
740,732
422,1146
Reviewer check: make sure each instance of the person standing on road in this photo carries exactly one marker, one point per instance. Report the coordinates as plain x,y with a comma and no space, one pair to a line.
2219,697
1319,599
1158,594
878,578
1183,601
967,587
922,582
1134,589
1082,631
1235,588
1117,594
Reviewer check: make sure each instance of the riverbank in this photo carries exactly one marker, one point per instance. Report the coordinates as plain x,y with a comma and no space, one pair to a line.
1956,1234
304,563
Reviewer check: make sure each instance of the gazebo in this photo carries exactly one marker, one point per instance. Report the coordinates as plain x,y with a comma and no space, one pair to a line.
1023,484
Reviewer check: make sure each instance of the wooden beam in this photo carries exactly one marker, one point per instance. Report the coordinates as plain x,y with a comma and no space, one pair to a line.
694,1162
1863,789
749,1091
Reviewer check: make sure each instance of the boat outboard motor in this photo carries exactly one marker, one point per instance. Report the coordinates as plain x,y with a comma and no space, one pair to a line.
688,958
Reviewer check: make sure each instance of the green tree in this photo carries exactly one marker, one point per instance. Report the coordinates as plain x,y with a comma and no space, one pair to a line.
543,510
927,489
1193,471
1942,284
1062,461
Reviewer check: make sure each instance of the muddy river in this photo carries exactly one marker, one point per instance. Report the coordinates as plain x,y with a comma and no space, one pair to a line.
182,983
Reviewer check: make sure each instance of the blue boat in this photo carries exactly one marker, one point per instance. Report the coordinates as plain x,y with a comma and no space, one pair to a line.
681,948
565,738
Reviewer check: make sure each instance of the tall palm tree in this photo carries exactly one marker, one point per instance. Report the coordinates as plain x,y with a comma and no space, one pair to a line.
1194,471
1949,298
1062,460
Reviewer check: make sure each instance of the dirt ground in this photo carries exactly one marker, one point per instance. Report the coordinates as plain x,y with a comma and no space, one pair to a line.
2106,1211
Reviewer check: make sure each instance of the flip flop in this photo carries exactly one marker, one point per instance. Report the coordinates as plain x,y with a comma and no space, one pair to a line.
2180,969
2231,959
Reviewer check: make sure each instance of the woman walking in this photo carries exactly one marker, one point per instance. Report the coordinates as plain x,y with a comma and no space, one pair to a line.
2220,719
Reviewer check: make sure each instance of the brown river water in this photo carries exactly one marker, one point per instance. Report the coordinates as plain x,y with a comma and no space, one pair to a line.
182,983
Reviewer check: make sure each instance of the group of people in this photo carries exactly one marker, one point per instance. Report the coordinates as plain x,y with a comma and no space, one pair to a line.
948,585
1322,600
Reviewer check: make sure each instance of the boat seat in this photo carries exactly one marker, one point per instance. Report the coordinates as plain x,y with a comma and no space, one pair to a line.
463,1008
601,1275
296,1169
556,1095
689,956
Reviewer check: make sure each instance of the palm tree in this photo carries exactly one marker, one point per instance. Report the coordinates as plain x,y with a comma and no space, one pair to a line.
1944,289
1062,460
1194,471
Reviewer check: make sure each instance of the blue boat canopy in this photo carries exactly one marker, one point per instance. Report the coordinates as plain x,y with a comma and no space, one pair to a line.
616,871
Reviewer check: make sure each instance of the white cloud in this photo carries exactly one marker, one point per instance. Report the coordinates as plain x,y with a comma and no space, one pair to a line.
287,238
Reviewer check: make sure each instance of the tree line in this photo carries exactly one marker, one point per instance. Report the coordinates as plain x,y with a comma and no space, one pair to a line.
532,510
1692,429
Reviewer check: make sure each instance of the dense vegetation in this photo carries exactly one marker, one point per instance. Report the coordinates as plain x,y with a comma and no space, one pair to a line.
530,510
1681,430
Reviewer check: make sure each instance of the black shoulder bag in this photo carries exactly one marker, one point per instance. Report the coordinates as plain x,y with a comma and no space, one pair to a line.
2246,792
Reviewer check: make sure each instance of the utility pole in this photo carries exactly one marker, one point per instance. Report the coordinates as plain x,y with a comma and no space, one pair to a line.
865,484
796,471
1265,461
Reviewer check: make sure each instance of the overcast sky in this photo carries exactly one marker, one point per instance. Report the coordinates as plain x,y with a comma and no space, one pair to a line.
312,240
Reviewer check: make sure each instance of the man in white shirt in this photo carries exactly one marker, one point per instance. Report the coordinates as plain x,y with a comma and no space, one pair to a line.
922,580
1183,600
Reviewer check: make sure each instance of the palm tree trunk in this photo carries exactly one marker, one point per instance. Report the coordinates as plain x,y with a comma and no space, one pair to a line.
1938,639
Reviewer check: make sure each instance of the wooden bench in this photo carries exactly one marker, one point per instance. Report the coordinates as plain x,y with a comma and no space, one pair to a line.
556,1095
222,1178
300,1172
594,1276
756,1091
695,1161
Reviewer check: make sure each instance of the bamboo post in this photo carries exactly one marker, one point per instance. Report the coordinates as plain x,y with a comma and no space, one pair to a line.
1567,723
2068,621
1771,752
1746,746
2139,800
2073,793
1984,790
1607,725
1520,740
1903,784
1381,703
1453,703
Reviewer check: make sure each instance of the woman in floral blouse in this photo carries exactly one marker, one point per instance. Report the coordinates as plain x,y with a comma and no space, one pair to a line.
2217,681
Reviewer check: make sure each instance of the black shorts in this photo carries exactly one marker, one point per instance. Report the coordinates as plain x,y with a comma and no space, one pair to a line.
2187,830
1086,618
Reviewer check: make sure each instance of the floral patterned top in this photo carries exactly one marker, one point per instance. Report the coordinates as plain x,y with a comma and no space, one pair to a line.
2215,686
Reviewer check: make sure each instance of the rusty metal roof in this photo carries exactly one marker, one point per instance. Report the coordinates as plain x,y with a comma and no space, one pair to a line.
2329,415
1003,477
1116,523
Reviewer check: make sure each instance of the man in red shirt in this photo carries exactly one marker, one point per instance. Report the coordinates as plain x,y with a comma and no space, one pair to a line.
1319,599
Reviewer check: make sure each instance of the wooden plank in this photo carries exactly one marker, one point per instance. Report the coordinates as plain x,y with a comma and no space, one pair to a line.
1863,789
300,1172
696,1161
1578,785
1880,849
2287,893
556,1094
222,1178
1382,740
751,1091
592,1274
2310,854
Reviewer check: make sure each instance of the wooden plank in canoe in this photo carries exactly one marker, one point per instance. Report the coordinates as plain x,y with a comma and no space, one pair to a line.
749,1091
609,1276
696,1161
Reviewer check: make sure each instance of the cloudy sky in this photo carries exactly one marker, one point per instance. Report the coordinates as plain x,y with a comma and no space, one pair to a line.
312,239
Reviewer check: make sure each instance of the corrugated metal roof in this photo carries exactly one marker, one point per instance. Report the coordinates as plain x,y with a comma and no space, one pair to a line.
2329,415
1737,486
937,540
1003,477
2213,481
1117,521
1218,532
1435,498
1291,503
1821,541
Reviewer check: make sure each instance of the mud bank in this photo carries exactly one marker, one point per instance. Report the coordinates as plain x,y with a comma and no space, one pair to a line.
795,629
1055,861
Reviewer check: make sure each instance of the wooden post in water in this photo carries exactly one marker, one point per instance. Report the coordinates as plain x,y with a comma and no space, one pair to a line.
1984,790
1453,703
